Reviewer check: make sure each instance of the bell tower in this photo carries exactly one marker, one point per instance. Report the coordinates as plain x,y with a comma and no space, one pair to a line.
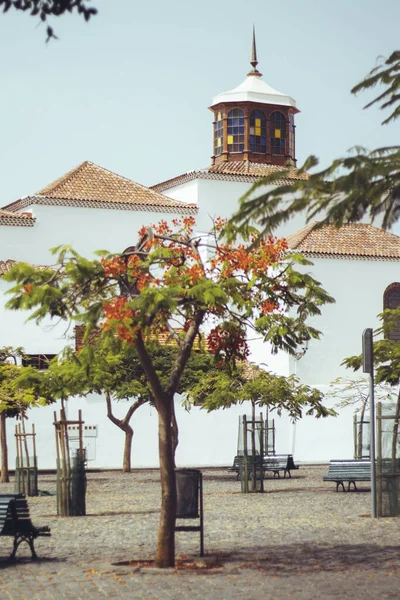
253,122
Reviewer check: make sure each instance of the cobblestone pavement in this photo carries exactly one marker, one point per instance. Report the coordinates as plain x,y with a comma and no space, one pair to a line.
299,540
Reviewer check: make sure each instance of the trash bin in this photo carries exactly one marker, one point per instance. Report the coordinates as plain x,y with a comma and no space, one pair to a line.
187,490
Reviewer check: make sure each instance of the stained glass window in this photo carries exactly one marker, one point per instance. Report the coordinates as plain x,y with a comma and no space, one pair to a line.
218,134
277,133
235,131
258,133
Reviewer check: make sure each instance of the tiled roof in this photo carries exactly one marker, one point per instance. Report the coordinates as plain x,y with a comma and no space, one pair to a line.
16,219
5,266
243,171
89,185
353,240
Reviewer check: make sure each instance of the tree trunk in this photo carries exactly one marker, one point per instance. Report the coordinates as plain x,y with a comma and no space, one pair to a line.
4,477
126,428
165,554
126,465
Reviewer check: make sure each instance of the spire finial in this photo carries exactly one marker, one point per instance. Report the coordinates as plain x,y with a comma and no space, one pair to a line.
254,61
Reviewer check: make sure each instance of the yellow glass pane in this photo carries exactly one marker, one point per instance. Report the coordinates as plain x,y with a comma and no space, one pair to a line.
219,142
258,123
219,116
277,133
230,139
258,130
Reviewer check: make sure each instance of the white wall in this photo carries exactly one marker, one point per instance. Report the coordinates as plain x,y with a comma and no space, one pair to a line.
358,287
217,198
205,439
85,229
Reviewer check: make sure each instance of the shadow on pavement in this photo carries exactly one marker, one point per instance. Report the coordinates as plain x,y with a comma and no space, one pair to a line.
6,563
295,559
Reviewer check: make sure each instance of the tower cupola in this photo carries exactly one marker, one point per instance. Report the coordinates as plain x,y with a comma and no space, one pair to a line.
254,122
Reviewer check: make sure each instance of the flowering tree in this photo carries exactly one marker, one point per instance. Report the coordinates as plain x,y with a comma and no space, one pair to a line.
173,282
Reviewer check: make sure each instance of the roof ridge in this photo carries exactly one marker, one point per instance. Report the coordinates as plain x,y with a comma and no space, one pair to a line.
302,234
64,178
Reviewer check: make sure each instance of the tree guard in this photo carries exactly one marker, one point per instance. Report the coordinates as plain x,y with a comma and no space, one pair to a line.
26,469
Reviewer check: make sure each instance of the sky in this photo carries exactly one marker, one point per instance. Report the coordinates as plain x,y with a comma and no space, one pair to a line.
130,89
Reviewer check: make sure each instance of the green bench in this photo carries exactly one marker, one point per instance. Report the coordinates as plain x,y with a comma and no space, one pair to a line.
15,522
348,470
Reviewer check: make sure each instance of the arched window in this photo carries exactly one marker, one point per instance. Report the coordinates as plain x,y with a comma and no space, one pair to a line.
235,131
258,133
218,134
278,133
292,150
391,299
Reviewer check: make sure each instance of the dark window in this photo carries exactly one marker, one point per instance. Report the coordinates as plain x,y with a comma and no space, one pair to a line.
277,133
258,133
218,134
391,300
37,361
235,131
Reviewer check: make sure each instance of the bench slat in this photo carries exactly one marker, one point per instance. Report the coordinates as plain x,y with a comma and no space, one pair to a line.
351,470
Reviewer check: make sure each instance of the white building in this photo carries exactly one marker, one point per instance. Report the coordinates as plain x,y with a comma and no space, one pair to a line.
91,208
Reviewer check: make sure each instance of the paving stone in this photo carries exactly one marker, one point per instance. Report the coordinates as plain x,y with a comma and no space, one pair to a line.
299,540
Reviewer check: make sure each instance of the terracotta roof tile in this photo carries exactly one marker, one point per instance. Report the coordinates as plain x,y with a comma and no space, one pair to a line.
252,169
5,266
244,171
92,186
351,240
16,219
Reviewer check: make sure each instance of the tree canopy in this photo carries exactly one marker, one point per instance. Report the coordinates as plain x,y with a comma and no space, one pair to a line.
21,388
189,288
222,389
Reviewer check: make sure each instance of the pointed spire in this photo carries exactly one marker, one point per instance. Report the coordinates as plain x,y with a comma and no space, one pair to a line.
254,61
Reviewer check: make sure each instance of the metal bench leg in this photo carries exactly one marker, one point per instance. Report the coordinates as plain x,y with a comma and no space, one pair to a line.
29,540
340,483
354,484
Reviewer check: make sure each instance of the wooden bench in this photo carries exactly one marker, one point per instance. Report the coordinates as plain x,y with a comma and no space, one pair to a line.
15,522
274,463
350,471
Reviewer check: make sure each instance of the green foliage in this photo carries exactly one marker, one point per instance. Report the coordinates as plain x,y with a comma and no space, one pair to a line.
362,184
108,365
20,387
222,389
